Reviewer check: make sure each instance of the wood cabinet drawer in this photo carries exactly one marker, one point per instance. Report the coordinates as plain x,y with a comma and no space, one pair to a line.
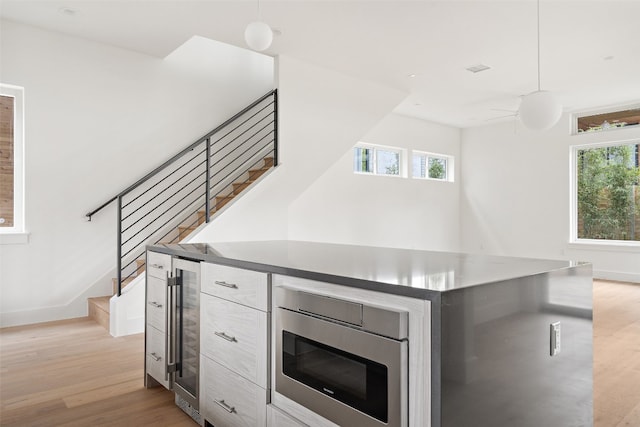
158,265
156,302
230,400
277,418
235,336
156,354
245,287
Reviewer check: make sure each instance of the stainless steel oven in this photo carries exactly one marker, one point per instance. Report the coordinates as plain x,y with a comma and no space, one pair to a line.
345,361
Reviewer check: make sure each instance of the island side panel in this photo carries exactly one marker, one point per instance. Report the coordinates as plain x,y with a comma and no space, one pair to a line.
497,367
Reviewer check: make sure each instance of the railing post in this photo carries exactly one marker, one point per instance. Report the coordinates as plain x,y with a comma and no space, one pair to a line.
207,191
119,247
275,127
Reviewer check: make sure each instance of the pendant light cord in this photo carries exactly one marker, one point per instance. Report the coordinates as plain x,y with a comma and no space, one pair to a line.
538,45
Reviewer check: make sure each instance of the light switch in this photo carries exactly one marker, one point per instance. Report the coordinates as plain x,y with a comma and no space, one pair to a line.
554,331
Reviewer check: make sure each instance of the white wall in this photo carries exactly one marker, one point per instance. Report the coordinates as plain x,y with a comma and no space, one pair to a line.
350,208
322,113
97,119
516,196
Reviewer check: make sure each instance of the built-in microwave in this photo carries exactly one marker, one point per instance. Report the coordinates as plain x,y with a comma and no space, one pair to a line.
345,361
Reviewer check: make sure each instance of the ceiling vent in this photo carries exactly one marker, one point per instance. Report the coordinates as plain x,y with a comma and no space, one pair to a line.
478,68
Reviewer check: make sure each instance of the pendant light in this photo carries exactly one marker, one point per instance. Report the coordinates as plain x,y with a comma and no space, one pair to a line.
539,110
258,34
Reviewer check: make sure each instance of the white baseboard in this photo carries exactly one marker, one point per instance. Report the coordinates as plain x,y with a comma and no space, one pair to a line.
78,307
617,276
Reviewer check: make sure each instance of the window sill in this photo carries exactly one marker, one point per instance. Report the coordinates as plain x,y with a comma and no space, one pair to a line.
597,245
14,238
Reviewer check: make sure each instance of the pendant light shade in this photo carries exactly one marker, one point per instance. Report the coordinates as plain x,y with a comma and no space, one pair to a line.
258,36
540,110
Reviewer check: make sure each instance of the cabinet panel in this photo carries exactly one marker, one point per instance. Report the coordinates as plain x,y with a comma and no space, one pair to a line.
157,302
158,265
277,418
156,354
235,336
245,287
229,400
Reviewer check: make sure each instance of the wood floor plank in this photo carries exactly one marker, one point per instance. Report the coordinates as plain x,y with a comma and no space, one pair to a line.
74,373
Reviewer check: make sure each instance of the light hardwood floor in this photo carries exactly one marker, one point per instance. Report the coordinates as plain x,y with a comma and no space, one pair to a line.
73,373
616,356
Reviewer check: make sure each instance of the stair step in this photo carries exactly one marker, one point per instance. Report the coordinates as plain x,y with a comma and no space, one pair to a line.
125,282
184,231
222,200
99,310
239,187
257,173
268,162
140,266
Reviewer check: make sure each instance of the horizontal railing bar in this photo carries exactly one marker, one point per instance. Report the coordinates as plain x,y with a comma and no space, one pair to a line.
248,170
159,216
161,203
239,155
166,189
242,143
249,118
165,178
167,233
186,150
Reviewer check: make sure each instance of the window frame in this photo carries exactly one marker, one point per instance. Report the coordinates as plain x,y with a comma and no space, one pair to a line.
595,112
402,169
13,234
449,168
573,220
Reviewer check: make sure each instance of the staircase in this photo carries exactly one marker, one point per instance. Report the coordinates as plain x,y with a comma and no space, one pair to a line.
189,190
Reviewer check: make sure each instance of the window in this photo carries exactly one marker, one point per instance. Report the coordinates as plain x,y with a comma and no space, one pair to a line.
604,121
432,166
11,160
377,160
607,192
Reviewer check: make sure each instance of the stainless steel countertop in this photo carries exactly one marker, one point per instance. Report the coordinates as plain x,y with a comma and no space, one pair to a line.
415,273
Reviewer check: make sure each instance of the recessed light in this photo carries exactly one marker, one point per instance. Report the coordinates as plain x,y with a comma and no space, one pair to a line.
412,75
608,58
276,32
67,11
477,68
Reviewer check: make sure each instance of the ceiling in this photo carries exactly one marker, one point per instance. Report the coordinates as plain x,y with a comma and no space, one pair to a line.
590,49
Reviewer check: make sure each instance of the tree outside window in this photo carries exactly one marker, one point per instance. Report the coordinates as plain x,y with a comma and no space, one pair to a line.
609,193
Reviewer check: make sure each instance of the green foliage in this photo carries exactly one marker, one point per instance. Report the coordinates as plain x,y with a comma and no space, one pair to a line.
436,169
606,203
392,169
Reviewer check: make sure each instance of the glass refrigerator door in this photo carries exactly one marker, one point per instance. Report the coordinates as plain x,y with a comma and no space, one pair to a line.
187,348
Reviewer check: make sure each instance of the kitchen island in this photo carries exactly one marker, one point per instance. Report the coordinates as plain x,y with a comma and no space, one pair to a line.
507,341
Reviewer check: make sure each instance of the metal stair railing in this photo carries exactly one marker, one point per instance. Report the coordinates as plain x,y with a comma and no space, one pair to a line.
185,190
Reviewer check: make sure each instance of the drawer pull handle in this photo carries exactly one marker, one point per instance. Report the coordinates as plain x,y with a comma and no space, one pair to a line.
229,409
226,337
155,304
155,357
226,285
160,266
